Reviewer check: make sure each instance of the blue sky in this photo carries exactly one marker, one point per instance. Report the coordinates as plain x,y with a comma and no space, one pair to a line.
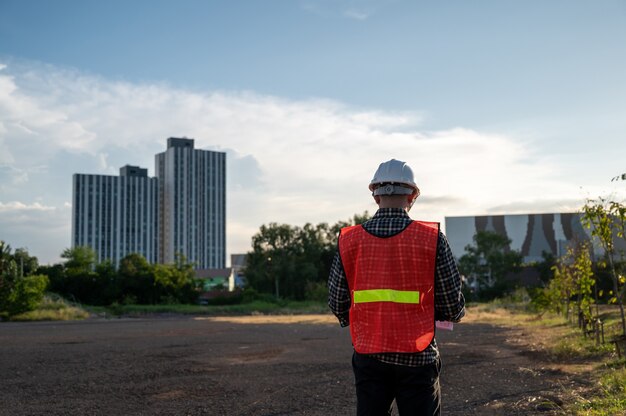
500,106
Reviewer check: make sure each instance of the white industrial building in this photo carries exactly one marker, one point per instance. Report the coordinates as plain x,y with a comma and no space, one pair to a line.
530,234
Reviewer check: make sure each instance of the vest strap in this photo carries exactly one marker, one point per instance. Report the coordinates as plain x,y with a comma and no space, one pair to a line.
387,295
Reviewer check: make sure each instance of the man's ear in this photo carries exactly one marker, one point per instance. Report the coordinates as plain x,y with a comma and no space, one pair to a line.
377,199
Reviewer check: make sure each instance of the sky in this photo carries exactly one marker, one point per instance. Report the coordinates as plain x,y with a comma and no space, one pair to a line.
500,107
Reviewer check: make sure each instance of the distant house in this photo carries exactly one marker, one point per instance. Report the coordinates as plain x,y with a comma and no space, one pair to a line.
221,282
214,279
238,264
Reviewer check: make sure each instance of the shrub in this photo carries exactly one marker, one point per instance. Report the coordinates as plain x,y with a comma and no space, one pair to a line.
317,291
26,295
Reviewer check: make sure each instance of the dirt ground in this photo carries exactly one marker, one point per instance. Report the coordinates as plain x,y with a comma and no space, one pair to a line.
294,365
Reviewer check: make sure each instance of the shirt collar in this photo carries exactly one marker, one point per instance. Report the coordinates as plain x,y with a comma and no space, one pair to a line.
391,212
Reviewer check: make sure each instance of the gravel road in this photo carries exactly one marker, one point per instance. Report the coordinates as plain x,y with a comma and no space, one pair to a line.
294,365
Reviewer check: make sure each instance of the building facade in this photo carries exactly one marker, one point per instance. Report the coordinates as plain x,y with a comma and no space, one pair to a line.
116,215
530,234
193,201
180,211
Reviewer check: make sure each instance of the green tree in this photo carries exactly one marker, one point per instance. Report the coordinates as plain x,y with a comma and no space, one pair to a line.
604,218
271,262
545,267
584,281
573,280
294,262
25,263
18,293
8,275
27,294
106,285
489,261
137,280
557,295
175,282
5,255
80,280
56,277
79,260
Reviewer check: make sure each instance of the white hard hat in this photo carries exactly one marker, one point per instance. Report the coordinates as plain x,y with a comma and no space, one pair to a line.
396,176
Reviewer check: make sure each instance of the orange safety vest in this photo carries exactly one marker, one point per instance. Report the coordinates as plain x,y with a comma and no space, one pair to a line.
392,287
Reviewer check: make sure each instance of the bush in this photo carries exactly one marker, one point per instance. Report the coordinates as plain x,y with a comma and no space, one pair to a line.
540,299
52,308
251,295
225,298
26,295
317,291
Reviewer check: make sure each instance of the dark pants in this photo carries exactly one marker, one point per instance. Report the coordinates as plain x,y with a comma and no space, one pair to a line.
416,389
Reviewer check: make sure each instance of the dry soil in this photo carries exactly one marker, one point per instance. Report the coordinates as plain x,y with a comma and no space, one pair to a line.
258,365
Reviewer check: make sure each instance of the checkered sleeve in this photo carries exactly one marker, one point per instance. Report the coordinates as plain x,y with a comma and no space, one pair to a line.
338,292
449,301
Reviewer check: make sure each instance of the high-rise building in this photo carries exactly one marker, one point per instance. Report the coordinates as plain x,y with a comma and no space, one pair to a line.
180,211
116,215
193,204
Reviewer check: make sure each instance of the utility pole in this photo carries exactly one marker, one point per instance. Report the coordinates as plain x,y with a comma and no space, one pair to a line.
269,268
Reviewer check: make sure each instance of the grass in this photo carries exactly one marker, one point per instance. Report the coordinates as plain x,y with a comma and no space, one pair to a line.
53,308
610,398
251,308
564,343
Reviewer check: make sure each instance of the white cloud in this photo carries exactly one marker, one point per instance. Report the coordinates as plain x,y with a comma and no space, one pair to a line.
356,14
537,206
16,206
352,9
289,161
43,230
102,159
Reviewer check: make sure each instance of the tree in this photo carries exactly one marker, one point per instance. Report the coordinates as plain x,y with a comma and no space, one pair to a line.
489,261
25,263
7,263
545,267
583,278
80,279
27,294
137,280
294,262
604,217
79,260
175,282
271,261
558,294
106,285
573,280
18,293
8,275
56,277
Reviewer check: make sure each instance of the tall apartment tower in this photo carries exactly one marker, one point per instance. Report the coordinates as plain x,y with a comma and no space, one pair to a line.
192,189
116,215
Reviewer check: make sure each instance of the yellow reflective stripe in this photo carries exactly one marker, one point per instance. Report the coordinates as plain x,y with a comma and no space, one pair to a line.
386,295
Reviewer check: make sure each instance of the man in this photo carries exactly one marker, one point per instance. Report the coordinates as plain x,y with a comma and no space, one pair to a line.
390,280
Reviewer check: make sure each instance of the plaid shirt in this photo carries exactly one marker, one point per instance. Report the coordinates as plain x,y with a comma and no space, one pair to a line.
449,301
